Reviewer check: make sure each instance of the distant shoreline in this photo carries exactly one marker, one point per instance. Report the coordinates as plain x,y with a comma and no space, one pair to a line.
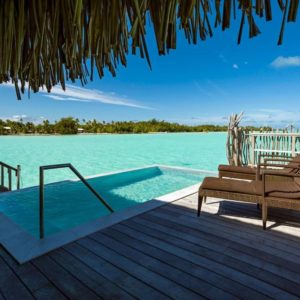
101,133
71,126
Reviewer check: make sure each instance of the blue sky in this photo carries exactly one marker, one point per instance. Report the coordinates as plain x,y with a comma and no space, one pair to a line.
193,84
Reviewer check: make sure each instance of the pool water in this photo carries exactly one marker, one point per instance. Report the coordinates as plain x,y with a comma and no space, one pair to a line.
70,203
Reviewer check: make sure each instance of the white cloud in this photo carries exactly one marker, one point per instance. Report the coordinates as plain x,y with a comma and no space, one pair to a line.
66,98
216,88
79,94
19,117
210,89
210,120
235,66
272,116
223,58
23,118
259,117
204,91
285,62
74,93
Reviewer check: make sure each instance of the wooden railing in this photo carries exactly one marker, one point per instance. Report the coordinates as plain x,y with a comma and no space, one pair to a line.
10,170
270,143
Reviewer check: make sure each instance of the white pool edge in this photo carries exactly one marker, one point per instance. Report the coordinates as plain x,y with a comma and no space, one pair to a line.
24,247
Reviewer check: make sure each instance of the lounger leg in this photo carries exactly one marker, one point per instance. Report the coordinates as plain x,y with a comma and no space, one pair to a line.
200,199
204,199
264,214
258,206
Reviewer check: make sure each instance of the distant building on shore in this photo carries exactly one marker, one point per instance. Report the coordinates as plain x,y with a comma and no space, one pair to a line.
7,129
80,130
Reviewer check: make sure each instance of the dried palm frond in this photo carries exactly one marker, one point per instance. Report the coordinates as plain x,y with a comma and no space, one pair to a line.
47,42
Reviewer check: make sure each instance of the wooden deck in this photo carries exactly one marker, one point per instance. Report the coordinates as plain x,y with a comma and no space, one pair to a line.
169,253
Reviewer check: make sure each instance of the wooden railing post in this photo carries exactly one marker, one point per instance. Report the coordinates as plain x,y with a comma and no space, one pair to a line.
293,150
236,147
252,158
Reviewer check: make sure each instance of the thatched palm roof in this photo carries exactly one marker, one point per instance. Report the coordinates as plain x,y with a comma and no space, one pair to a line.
45,42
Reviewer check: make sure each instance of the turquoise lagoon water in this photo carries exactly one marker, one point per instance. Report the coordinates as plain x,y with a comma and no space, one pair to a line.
94,154
70,203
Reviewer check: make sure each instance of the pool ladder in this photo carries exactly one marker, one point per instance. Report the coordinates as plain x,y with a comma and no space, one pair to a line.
41,196
10,170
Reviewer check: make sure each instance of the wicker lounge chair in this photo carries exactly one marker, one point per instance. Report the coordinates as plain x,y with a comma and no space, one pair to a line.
254,173
239,172
268,193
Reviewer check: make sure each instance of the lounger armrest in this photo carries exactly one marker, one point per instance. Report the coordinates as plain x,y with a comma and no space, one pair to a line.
263,166
269,172
296,165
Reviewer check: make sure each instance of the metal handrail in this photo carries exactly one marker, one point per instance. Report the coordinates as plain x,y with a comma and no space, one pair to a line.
61,166
9,168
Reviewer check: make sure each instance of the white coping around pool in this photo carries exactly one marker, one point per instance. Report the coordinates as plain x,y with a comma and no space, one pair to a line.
24,247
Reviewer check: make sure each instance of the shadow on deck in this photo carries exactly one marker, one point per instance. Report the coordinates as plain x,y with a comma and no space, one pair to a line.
170,253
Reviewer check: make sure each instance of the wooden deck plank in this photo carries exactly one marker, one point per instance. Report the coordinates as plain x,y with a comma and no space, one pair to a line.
130,284
34,280
48,292
23,270
100,285
277,214
199,268
11,286
277,222
196,280
250,265
184,285
218,262
163,285
66,283
189,210
249,210
169,253
216,241
235,236
249,231
243,219
1,296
